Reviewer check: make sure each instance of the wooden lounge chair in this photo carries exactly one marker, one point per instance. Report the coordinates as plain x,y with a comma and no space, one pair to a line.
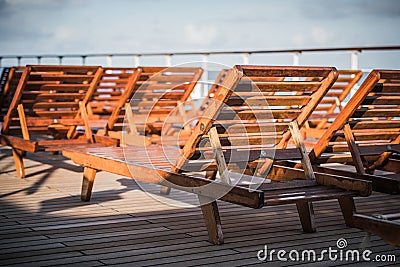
332,103
8,84
112,91
157,98
217,83
213,89
48,105
223,141
109,89
366,134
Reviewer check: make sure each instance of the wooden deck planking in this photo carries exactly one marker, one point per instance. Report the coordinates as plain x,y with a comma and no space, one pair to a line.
45,223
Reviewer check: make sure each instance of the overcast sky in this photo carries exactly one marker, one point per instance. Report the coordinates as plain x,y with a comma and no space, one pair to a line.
98,26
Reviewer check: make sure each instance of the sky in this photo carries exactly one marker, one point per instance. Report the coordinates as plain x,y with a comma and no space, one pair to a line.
131,26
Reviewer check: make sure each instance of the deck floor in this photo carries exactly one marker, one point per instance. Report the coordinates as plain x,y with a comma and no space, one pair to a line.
44,223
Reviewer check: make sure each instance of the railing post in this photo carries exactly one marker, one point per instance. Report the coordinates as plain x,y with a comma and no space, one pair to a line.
18,61
246,57
168,60
204,65
39,60
296,58
109,61
60,59
354,66
83,60
354,59
136,59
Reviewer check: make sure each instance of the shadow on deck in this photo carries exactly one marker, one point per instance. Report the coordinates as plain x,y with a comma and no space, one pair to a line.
44,223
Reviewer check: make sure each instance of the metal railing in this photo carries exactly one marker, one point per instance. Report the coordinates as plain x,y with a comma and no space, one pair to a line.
246,55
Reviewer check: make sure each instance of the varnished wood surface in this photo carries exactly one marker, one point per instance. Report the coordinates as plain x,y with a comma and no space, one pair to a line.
157,92
150,166
8,84
332,103
373,131
110,89
44,223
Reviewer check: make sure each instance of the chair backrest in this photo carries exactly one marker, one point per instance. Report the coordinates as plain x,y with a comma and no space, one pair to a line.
373,119
49,98
8,84
213,89
332,103
252,111
110,88
158,91
217,83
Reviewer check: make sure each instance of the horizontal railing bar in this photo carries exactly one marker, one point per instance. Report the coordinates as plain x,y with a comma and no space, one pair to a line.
337,49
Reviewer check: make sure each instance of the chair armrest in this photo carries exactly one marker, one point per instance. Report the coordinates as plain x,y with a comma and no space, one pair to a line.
106,140
19,143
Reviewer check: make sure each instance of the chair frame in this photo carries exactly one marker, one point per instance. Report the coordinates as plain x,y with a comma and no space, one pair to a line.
345,188
55,116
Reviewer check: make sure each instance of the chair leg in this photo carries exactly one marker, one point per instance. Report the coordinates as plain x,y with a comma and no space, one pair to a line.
19,163
89,175
348,209
165,190
212,219
306,214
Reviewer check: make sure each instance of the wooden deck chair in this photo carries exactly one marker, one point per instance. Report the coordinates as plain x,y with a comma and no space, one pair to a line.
332,103
48,106
366,132
214,87
108,92
8,84
180,138
209,138
158,93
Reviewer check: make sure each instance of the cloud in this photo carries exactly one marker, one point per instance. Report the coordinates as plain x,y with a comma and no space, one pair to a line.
383,7
344,9
200,35
321,36
73,26
299,39
317,35
48,4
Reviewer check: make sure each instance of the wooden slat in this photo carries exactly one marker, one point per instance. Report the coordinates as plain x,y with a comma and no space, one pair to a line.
49,93
269,101
381,112
261,114
287,72
157,169
279,86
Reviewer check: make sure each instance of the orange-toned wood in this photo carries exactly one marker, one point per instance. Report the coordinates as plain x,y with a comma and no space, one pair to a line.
299,143
22,120
219,156
372,132
332,103
48,105
9,80
155,164
85,118
155,99
355,153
